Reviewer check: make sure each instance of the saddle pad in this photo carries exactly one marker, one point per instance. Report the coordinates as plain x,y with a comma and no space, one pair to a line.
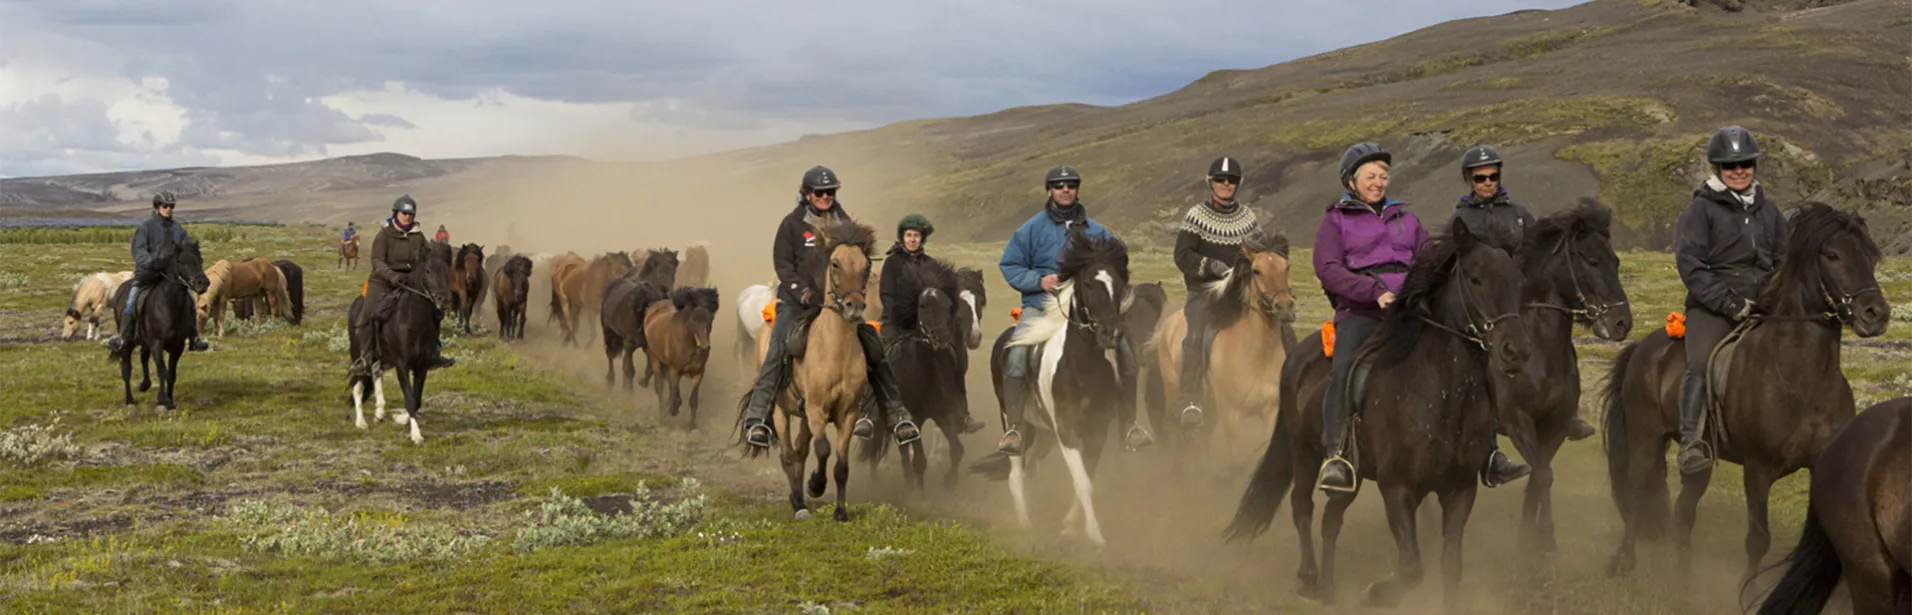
1327,339
1016,314
1676,325
770,312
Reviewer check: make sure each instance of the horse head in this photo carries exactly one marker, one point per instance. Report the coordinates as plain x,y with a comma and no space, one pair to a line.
1264,262
1467,284
847,278
71,325
1096,270
189,266
1580,240
430,277
1829,269
698,305
971,299
659,266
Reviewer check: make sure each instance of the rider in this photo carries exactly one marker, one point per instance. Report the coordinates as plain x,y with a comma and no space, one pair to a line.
1728,242
442,236
1029,264
1205,250
1481,167
397,248
152,258
1361,267
899,297
797,302
351,231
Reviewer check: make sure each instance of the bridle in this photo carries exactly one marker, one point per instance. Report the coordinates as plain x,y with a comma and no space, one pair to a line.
840,301
1584,311
1267,303
1838,305
1474,331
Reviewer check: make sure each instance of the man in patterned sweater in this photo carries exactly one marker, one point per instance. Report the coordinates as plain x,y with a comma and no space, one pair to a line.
1206,250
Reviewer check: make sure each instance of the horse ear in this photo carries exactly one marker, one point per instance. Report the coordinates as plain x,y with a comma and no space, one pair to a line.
1458,232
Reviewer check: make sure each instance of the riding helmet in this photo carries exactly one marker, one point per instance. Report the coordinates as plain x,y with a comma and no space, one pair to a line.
915,222
820,178
406,205
1479,156
1360,154
1732,144
1063,173
1225,166
164,197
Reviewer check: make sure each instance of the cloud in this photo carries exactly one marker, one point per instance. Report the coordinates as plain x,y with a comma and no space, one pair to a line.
247,82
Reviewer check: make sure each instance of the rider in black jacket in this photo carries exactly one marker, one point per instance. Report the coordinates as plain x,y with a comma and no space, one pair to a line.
153,245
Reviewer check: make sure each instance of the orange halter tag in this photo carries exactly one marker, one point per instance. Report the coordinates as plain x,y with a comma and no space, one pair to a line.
770,313
1676,325
1327,338
1016,313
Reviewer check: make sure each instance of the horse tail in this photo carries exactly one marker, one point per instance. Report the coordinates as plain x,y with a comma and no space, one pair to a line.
557,304
283,292
994,466
1613,430
1273,476
1813,571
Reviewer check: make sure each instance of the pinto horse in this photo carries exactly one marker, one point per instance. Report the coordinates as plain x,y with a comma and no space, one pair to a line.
1783,397
468,282
677,345
511,291
1076,385
1418,426
752,301
164,325
407,343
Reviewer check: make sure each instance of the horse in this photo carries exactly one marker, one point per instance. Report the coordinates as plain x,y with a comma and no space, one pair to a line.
971,299
1076,386
294,288
92,297
511,291
349,253
825,386
1418,426
468,282
1775,406
242,281
929,357
1251,313
677,344
695,270
622,317
751,303
164,325
656,266
1858,521
405,345
567,285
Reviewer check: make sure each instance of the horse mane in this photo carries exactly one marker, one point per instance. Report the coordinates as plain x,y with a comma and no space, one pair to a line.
1235,294
517,264
468,250
217,274
1813,225
620,257
1587,215
1402,326
844,231
1083,252
970,280
686,297
932,273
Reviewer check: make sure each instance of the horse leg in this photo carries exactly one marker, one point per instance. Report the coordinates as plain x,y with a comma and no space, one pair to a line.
145,368
649,371
1084,490
820,441
358,402
1301,496
630,368
378,395
1759,537
1540,491
696,386
677,396
405,388
126,375
796,446
657,388
1016,476
413,400
1331,521
1519,427
1456,507
1686,512
1400,503
611,349
842,472
169,376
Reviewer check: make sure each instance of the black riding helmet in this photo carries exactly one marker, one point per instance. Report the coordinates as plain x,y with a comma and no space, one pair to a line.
1225,167
1063,173
1732,144
1360,154
405,204
915,222
1477,157
819,178
164,197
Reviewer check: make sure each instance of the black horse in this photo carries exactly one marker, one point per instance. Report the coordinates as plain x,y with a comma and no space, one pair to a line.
165,324
407,342
294,287
511,289
929,358
1421,424
622,316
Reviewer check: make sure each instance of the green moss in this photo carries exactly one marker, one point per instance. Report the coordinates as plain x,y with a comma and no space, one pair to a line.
1644,181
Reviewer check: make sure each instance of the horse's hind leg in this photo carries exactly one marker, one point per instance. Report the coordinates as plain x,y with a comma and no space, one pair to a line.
1686,512
611,351
1759,537
696,386
955,457
145,369
1401,505
677,395
1301,495
1538,508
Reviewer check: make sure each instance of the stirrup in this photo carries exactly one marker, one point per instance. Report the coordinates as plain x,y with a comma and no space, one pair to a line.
1704,448
1354,478
758,434
1196,421
915,433
1004,446
863,428
1148,439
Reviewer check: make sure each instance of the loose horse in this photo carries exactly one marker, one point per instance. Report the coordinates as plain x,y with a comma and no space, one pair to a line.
468,282
657,267
928,357
1419,392
825,386
677,345
567,286
294,289
242,281
1858,522
751,303
1782,396
511,290
695,270
164,325
622,316
1252,314
92,297
406,343
349,253
1076,386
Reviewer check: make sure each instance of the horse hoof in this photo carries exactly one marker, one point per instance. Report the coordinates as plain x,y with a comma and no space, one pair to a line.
1308,593
420,440
842,514
145,386
803,515
161,408
1380,594
361,423
401,418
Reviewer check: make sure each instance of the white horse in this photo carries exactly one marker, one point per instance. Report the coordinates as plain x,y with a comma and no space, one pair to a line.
751,326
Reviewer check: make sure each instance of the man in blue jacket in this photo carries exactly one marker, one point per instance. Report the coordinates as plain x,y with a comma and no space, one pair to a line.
1029,264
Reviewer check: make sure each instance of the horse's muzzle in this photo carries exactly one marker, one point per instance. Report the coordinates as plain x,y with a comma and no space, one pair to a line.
1615,325
1107,337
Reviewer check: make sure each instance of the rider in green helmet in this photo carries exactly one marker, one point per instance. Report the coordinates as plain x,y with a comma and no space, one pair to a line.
899,291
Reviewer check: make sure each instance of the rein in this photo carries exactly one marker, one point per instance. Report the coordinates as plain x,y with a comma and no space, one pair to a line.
1587,310
1476,333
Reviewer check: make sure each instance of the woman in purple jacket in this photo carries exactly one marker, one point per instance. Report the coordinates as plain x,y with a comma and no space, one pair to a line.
1361,255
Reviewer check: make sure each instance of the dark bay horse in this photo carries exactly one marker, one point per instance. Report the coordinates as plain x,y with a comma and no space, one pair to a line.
294,288
168,320
1421,424
406,343
928,358
1076,387
1859,522
511,291
468,282
622,318
677,345
1572,275
658,267
1782,399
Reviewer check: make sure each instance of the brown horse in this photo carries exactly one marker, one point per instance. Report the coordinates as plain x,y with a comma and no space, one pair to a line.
677,344
468,282
622,318
567,286
825,385
1859,522
1779,402
657,267
511,291
696,266
348,253
1252,312
243,281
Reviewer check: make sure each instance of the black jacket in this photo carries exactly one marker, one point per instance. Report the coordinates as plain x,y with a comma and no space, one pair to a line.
797,251
154,244
1726,250
1475,212
1209,235
898,289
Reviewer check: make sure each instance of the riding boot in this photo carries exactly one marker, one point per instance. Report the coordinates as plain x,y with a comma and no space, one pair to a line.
1695,454
1015,395
883,385
439,360
368,352
128,316
1499,470
1127,372
1579,430
769,376
1194,364
1337,471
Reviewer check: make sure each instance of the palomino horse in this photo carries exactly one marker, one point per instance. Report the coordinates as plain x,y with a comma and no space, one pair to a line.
696,266
92,297
751,303
1571,275
1076,386
164,325
511,290
622,317
242,281
406,343
928,356
567,286
825,386
1783,395
1858,522
677,345
348,253
468,282
1428,365
1252,313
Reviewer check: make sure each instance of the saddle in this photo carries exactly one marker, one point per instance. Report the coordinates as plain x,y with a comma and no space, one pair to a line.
1719,363
797,339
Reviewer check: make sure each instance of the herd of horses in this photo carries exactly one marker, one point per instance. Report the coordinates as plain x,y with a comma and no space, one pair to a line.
1485,321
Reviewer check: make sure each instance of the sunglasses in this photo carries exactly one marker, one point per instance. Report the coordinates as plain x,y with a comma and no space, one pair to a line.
1490,177
1063,185
823,193
1226,180
166,206
1735,166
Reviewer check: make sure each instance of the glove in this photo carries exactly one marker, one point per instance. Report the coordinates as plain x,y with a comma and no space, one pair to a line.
807,297
1217,269
1746,308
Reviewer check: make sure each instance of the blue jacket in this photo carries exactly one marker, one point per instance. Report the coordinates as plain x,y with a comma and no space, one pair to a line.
1032,253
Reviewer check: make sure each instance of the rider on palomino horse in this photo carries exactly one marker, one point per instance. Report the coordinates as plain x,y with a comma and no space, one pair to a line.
1728,242
1480,168
152,258
1361,254
1205,250
1029,264
898,289
399,246
795,250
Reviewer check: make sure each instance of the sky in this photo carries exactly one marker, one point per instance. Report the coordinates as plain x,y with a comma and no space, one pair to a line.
108,85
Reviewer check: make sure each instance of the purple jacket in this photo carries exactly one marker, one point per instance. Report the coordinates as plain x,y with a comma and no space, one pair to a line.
1352,239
